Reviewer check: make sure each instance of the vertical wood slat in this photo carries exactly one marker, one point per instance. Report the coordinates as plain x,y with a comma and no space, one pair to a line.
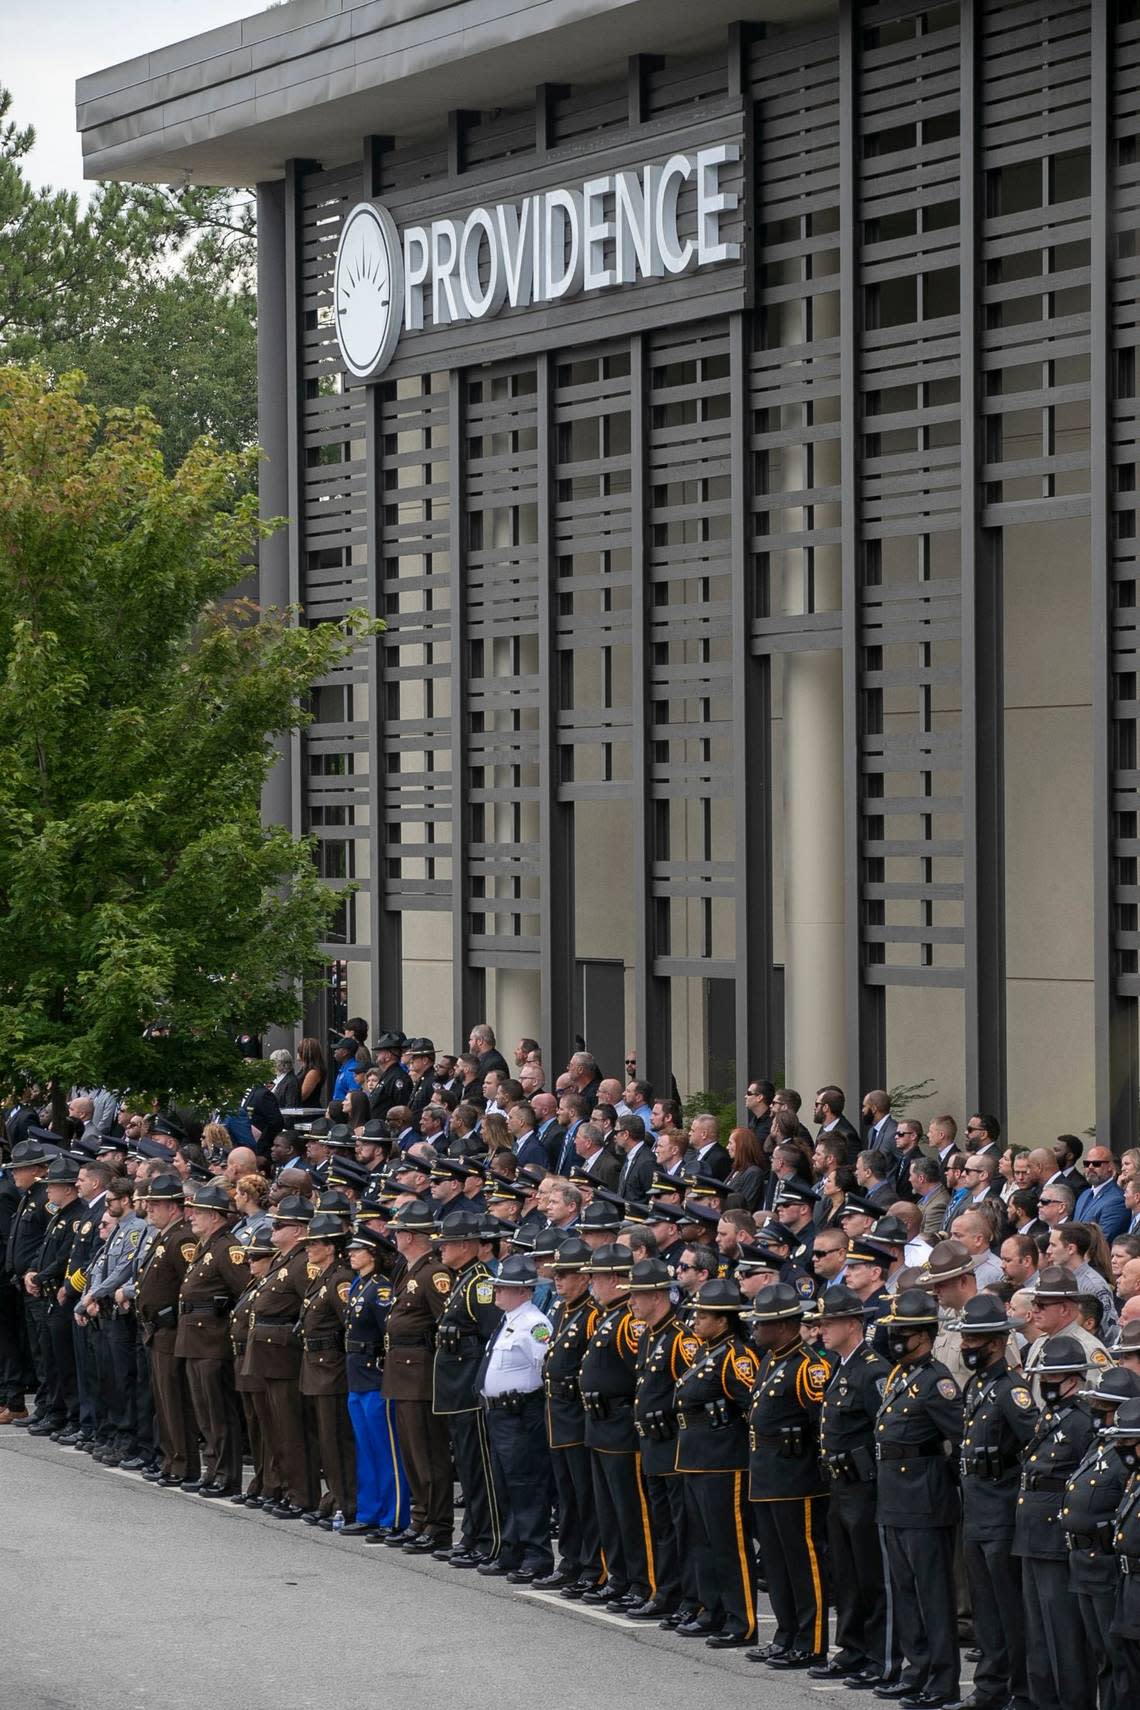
466,990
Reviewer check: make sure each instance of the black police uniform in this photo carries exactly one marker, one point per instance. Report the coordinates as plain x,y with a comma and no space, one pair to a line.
393,1088
50,1270
788,1490
469,1320
1126,1618
1092,1496
25,1238
91,1374
860,1580
712,1450
1058,1664
1000,1417
666,1350
607,1380
383,1500
917,1506
574,1322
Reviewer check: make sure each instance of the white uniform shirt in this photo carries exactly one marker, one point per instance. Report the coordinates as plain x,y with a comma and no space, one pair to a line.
517,1351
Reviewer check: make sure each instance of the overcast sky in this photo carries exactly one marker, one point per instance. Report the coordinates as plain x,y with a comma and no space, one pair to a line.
46,44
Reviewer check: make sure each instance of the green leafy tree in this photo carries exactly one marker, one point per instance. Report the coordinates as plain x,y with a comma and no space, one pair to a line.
137,710
150,289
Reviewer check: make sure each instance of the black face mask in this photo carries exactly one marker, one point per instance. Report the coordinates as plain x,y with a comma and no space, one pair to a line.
899,1345
1051,1393
973,1359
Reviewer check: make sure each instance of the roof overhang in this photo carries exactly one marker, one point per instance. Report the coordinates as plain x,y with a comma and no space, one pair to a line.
308,80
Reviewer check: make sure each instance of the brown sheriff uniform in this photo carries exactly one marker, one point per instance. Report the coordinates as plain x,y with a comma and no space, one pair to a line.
217,1275
266,1480
323,1377
157,1288
273,1356
409,1355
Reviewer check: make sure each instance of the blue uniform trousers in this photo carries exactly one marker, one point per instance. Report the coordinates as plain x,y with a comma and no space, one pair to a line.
382,1496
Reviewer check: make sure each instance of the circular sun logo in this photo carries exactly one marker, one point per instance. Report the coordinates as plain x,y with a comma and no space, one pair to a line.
368,290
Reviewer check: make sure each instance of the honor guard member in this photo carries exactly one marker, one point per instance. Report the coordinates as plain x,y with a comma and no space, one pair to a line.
395,1084
598,1224
67,1212
574,1321
382,1497
1000,1418
918,1430
786,1484
1125,1439
1058,1663
264,1488
420,1054
85,1242
216,1277
1092,1496
867,1653
422,1292
470,1317
323,1378
273,1355
608,1378
1054,1310
118,1328
666,1350
157,1288
27,1167
795,1210
510,1379
713,1397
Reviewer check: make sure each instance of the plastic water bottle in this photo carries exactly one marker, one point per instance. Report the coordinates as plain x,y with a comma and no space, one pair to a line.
338,1521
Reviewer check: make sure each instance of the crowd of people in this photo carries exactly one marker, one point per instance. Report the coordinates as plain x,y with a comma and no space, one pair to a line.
883,1371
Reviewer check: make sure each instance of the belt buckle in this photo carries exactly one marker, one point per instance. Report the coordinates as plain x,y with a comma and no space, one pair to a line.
878,1451
1125,1566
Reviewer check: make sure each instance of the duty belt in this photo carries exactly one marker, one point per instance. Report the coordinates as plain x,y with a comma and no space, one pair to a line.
1043,1481
513,1401
354,1345
274,1318
202,1309
908,1451
1082,1540
1129,1565
410,1342
322,1342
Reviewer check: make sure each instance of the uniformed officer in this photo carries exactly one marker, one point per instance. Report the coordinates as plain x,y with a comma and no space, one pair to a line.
1058,1663
215,1278
1094,1492
1000,1418
47,1279
713,1396
264,1488
422,1292
117,1325
1124,1436
1054,1311
666,1349
93,1181
786,1483
383,1502
157,1288
470,1317
575,1318
28,1167
867,1653
512,1388
273,1356
395,1084
918,1428
608,1379
324,1382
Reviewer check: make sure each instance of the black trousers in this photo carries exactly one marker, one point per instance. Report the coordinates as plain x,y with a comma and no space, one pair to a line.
577,1516
994,1577
1058,1664
793,1543
623,1522
39,1345
122,1356
522,1471
426,1447
1126,1669
100,1378
146,1419
860,1582
717,1511
482,1523
1096,1602
64,1404
15,1359
921,1562
666,1499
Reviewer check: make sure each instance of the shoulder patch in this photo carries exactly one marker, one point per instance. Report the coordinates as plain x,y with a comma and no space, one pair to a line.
744,1367
1021,1398
1098,1357
441,1282
539,1333
237,1255
948,1389
188,1250
805,1288
635,1328
485,1291
343,1290
690,1347
817,1375
881,1386
86,1230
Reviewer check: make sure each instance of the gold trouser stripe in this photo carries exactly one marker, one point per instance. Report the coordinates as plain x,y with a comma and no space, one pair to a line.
816,1583
394,1451
645,1527
742,1552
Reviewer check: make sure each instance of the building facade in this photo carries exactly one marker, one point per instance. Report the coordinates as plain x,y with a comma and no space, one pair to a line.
758,683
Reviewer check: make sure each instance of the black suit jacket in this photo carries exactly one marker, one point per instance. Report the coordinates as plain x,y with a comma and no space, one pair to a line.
606,1167
716,1162
637,1173
288,1094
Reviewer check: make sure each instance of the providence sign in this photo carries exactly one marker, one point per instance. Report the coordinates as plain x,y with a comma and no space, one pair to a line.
610,232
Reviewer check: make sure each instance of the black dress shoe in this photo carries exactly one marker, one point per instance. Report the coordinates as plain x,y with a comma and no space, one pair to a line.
973,1702
795,1659
397,1540
764,1653
867,1679
670,1623
311,1516
466,1559
287,1511
240,1500
728,1640
575,1592
522,1576
152,1474
358,1529
696,1627
554,1581
494,1570
599,1595
974,1655
653,1609
215,1490
191,1486
443,1554
834,1670
925,1701
378,1535
626,1601
167,1482
895,1690
424,1546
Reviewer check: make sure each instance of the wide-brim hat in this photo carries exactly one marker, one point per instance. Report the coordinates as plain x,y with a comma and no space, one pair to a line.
1116,1387
375,1130
294,1208
62,1171
416,1218
985,1315
1061,1356
166,1187
911,1309
325,1226
778,1300
339,1138
1126,1425
650,1274
371,1240
210,1196
547,1242
27,1154
331,1199
947,1261
719,1294
840,1302
1054,1282
573,1255
460,1226
517,1271
600,1218
610,1260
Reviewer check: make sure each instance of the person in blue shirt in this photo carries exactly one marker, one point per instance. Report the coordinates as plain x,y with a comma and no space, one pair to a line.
1102,1201
344,1056
383,1501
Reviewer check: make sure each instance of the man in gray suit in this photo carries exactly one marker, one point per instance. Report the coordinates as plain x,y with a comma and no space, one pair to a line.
881,1124
930,1193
